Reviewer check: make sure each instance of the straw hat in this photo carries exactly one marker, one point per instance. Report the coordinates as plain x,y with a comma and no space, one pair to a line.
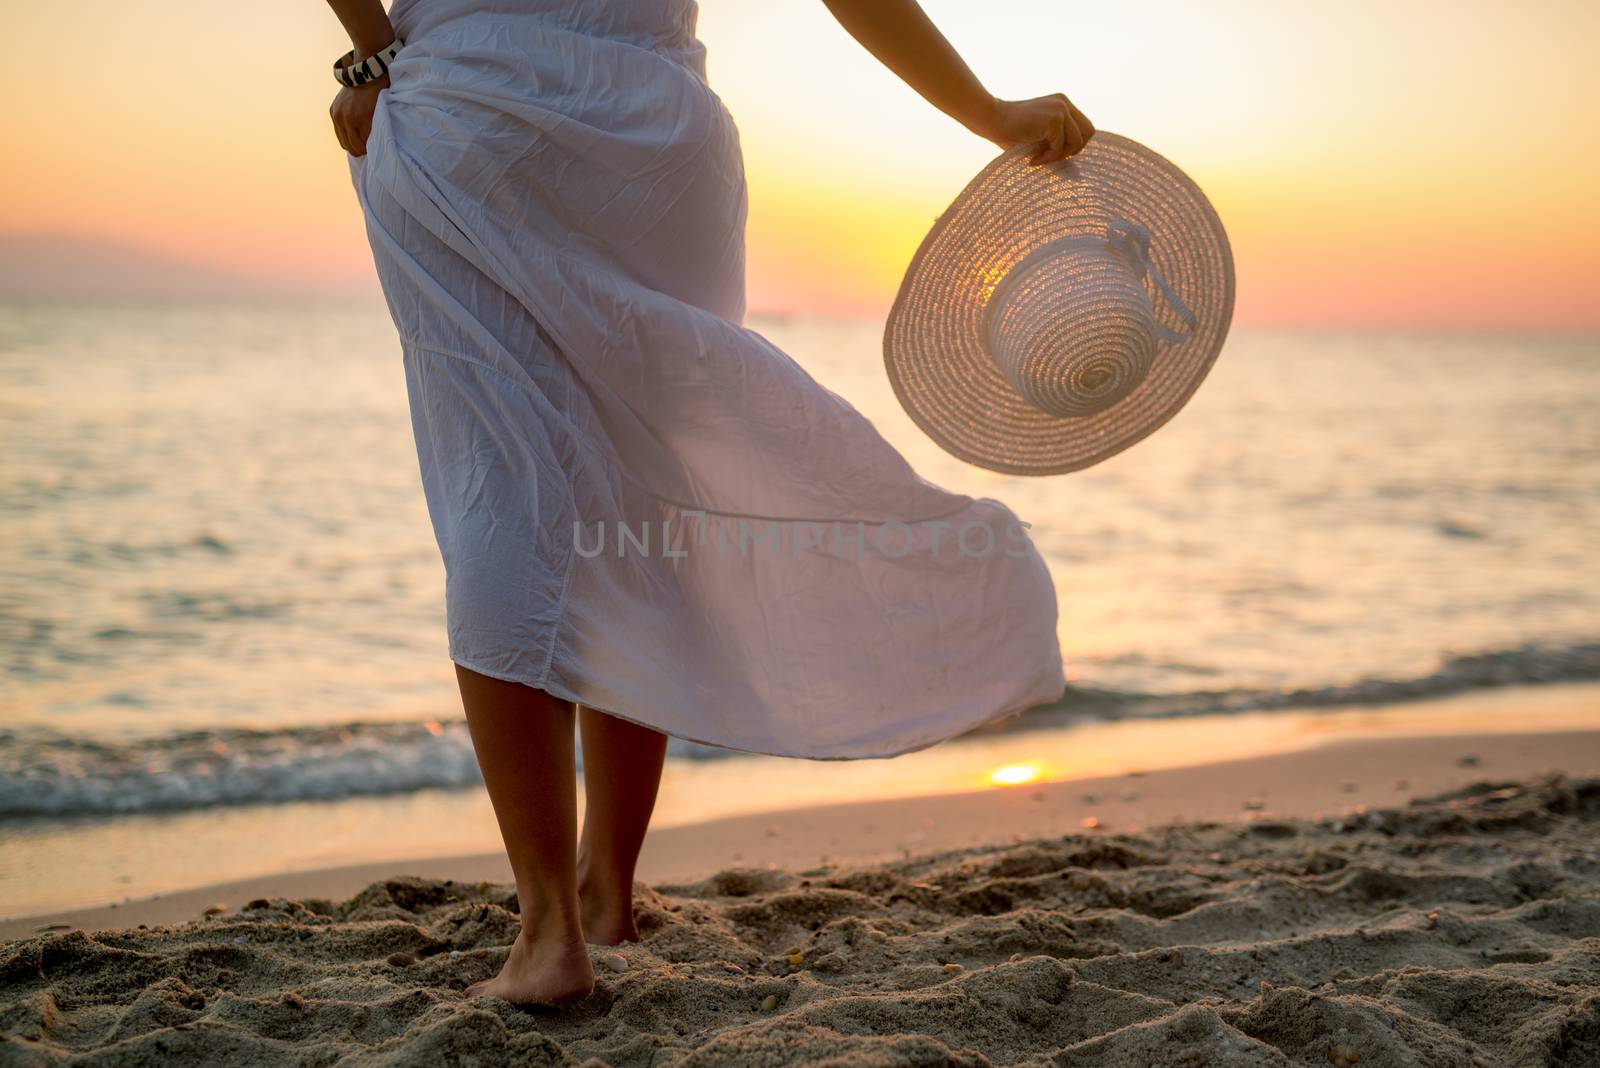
1058,313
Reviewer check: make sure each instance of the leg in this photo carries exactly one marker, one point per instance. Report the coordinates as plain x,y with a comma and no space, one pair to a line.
621,771
523,738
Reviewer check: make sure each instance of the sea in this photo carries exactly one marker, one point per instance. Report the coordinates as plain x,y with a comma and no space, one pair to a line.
222,648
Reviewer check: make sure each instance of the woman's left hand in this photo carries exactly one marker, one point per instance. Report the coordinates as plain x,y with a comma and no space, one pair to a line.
352,114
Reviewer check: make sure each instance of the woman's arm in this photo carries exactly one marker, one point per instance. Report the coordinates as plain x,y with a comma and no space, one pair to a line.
366,22
368,25
900,35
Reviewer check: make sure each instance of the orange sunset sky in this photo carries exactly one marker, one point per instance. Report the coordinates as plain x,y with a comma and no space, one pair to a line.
1423,163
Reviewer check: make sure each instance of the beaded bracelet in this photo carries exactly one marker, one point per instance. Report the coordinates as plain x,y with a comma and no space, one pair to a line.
354,75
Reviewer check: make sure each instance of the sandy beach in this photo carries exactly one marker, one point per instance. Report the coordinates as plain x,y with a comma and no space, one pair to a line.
1167,458
1429,901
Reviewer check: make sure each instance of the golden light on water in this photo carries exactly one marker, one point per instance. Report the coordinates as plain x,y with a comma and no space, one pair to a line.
1015,774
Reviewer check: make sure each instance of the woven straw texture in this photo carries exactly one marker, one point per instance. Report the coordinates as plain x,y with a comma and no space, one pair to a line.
934,342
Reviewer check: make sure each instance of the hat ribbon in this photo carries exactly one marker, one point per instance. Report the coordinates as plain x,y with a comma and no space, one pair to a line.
1133,242
1129,240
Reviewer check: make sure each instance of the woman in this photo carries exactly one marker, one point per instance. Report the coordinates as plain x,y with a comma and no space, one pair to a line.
633,494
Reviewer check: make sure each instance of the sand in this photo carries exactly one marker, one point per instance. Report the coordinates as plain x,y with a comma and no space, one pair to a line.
1457,929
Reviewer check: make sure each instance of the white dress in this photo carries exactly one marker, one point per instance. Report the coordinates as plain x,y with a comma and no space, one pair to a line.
555,201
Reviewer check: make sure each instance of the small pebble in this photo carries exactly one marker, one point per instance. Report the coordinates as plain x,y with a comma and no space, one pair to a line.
214,910
402,960
1089,823
797,959
617,962
1016,957
1254,804
1469,760
57,927
1175,958
952,966
769,1003
455,954
293,1000
239,939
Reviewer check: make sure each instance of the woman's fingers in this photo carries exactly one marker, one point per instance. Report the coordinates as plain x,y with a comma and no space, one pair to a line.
360,126
1044,151
1060,135
1075,138
351,112
1051,126
1064,133
333,117
1085,127
1078,138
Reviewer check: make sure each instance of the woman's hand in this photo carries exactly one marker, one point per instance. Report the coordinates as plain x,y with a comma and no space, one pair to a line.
352,114
1051,122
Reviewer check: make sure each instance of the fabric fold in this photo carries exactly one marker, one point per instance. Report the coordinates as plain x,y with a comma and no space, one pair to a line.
556,202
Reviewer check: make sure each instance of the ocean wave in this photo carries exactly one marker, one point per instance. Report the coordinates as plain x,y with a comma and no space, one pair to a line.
1530,664
47,774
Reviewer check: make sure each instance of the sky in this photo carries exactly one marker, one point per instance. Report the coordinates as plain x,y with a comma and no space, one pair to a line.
1421,164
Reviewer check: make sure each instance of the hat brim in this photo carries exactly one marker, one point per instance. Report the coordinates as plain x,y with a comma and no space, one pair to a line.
933,352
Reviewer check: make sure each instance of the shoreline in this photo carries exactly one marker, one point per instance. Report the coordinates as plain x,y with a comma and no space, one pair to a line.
80,864
1327,777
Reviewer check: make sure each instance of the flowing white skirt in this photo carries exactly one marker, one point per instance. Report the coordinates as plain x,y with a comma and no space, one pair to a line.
642,505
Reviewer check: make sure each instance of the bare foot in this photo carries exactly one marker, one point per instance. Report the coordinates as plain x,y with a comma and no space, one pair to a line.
607,923
540,974
607,914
